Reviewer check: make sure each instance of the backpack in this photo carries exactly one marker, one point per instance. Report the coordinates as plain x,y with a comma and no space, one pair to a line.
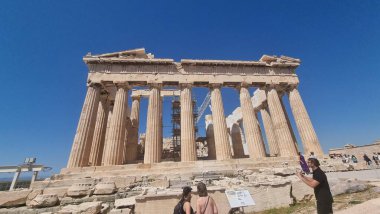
178,209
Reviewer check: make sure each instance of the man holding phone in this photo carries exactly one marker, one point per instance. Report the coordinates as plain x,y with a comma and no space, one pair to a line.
321,187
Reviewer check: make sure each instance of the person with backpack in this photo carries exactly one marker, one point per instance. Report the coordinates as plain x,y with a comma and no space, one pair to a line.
184,206
205,204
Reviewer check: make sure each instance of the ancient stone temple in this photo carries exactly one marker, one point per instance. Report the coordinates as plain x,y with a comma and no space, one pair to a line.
107,132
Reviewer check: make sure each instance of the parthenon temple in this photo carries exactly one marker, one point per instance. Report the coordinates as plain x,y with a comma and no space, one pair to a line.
108,128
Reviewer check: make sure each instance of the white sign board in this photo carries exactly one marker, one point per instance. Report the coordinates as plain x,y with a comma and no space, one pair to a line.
239,198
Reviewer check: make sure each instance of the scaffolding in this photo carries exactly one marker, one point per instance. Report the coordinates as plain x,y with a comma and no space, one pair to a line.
176,130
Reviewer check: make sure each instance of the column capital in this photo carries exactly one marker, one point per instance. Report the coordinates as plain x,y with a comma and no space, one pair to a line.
136,97
120,84
94,84
155,85
215,85
292,86
185,85
242,85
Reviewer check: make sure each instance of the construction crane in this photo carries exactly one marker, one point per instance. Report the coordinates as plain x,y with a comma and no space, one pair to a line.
202,108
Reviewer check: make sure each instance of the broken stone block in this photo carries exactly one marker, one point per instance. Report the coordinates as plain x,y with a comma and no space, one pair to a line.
43,201
60,192
125,202
13,198
105,188
33,194
347,186
121,211
84,208
80,189
301,191
120,182
160,184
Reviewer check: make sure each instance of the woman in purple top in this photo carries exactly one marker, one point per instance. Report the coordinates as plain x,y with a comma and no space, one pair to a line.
303,163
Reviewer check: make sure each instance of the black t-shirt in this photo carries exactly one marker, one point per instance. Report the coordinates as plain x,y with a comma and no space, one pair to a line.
322,191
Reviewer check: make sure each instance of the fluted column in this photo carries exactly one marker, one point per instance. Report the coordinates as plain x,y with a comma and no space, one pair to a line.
252,130
133,134
110,110
153,128
188,146
288,121
305,127
269,131
222,145
117,129
210,138
99,133
80,150
237,143
284,137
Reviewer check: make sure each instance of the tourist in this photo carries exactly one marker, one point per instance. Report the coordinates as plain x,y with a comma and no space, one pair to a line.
205,204
321,187
312,155
184,206
367,160
354,159
303,163
375,158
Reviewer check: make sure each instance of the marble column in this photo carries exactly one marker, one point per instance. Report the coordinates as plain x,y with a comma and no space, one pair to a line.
113,154
99,133
280,124
133,134
153,128
252,130
80,151
210,138
222,145
269,131
288,121
237,142
305,127
188,146
110,110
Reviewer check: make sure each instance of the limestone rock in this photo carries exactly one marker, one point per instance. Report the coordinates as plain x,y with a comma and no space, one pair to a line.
347,186
43,201
105,208
13,198
105,188
121,211
284,171
160,184
60,192
33,194
80,189
301,191
268,197
84,208
121,181
376,189
125,202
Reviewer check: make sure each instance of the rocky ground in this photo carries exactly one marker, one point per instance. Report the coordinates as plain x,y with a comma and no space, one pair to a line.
269,187
342,202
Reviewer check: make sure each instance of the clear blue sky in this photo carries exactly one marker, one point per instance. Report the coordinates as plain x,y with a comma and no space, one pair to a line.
43,76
